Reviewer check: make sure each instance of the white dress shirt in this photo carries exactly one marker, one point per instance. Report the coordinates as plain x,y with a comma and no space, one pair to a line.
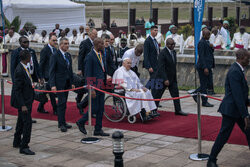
134,59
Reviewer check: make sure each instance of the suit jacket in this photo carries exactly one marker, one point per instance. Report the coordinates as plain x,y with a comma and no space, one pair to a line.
93,69
166,66
84,49
121,51
150,54
15,60
109,58
235,102
22,93
206,55
114,55
60,71
45,55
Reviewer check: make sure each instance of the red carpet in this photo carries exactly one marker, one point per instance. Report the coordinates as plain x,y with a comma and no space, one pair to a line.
166,124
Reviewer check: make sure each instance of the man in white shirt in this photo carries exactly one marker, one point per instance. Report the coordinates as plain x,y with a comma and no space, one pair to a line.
134,55
43,38
216,39
73,38
240,39
12,37
103,30
126,78
33,37
176,37
81,31
226,34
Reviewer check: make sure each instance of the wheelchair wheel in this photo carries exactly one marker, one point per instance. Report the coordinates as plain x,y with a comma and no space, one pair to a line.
131,119
115,108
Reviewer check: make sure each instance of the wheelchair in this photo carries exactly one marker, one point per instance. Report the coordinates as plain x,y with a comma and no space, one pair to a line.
116,108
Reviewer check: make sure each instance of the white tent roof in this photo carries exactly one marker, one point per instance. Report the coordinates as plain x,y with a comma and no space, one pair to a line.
44,14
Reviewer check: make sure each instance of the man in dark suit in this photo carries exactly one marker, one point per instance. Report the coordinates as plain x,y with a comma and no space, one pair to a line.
60,78
33,65
167,73
22,96
234,106
84,49
151,52
204,66
108,57
57,30
95,72
45,55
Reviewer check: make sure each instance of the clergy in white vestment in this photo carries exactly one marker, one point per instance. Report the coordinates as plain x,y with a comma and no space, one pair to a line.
240,39
43,38
189,43
159,37
33,37
103,30
226,34
140,39
176,37
73,38
12,37
217,40
126,78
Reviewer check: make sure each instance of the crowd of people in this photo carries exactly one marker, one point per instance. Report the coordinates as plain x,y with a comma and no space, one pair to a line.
99,60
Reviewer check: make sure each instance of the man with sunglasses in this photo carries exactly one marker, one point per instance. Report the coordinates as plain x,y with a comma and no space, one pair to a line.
45,55
32,66
167,74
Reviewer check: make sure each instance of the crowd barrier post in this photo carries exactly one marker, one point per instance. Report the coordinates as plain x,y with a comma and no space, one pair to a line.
3,127
89,139
199,156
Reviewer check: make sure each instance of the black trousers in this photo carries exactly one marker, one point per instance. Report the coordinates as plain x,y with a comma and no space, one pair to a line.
151,82
205,83
23,127
98,108
174,92
62,104
52,100
227,126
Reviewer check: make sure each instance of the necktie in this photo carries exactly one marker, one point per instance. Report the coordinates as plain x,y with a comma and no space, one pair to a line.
156,45
172,54
66,58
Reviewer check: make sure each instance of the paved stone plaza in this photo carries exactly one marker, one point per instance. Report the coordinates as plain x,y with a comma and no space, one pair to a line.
56,149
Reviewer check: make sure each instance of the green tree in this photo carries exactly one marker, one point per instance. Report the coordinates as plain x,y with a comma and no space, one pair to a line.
16,23
185,30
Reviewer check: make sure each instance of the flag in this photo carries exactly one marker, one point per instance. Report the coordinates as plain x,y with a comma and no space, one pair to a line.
198,17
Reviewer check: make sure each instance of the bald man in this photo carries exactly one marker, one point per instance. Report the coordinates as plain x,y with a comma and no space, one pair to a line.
167,74
204,66
95,73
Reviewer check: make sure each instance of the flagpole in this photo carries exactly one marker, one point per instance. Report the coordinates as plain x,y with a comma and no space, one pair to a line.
128,16
2,15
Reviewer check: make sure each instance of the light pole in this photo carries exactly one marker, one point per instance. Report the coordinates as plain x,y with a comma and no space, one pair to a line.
128,16
151,10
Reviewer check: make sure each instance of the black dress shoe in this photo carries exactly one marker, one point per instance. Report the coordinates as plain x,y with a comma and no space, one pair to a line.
195,98
211,164
63,128
43,111
100,133
68,126
160,106
81,127
155,113
33,121
181,113
207,105
27,151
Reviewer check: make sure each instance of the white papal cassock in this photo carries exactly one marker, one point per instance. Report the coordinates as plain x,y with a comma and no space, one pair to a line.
129,80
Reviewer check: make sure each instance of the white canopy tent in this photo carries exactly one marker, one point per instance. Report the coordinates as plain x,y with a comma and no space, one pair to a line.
44,14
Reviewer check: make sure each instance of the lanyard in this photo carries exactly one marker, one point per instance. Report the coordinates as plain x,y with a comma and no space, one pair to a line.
99,56
28,73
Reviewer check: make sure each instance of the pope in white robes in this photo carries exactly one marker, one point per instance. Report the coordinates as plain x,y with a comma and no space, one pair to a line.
126,78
